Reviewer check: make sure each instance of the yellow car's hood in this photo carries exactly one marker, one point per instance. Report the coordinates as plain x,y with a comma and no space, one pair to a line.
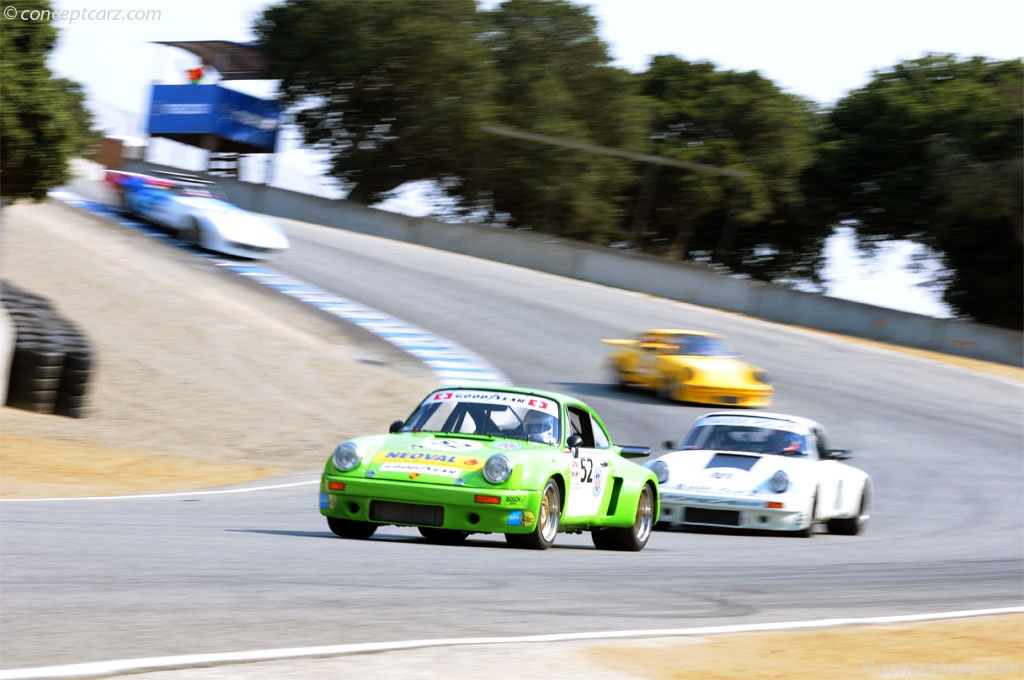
720,371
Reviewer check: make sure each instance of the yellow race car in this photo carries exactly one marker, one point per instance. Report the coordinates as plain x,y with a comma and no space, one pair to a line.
689,366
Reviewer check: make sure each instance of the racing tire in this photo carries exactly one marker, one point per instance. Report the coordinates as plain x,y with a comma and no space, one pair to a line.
444,536
632,538
548,519
193,233
347,528
667,389
851,526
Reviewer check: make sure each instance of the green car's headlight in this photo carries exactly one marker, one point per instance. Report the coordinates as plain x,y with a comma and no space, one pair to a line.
346,456
660,470
780,481
497,469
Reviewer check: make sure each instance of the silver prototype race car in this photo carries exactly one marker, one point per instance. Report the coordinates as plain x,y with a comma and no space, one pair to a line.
198,212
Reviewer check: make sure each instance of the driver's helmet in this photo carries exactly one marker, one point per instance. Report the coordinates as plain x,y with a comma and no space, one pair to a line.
787,442
540,427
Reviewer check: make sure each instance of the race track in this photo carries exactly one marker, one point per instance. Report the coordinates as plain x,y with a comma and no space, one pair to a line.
197,573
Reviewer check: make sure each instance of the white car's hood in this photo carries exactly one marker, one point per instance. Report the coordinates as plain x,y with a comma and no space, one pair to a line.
727,472
243,227
237,225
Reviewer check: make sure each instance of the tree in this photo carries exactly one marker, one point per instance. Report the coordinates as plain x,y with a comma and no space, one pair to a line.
931,150
393,90
43,120
402,90
753,223
554,79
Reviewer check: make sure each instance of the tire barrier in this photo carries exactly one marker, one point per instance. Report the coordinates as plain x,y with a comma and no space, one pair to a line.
52,358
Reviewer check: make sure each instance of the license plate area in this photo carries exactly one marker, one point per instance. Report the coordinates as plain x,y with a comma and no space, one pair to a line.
407,513
722,518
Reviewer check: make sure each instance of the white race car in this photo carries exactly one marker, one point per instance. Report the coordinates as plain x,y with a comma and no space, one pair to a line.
761,471
198,212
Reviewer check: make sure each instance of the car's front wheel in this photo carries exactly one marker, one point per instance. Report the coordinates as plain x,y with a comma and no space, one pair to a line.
347,528
548,519
192,234
632,538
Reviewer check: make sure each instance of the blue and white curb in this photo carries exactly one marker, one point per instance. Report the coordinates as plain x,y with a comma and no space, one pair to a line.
450,362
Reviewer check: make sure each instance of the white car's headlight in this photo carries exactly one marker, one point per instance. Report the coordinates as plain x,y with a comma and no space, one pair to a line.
346,456
660,470
497,469
780,481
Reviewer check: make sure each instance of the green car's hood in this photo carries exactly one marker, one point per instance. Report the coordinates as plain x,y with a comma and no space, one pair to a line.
435,458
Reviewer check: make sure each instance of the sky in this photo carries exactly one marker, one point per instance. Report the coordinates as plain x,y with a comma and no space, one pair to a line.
817,49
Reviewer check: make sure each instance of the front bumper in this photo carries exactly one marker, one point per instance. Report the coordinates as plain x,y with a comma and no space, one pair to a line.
725,396
735,512
479,510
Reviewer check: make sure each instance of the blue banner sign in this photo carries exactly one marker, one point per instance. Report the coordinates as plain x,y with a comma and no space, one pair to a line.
191,113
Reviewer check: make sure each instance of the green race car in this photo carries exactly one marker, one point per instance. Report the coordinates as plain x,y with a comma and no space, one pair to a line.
524,463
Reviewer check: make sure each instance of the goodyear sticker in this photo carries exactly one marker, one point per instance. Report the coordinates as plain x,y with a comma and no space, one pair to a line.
487,397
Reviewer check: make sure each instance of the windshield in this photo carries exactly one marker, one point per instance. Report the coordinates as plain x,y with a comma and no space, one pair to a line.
491,413
700,346
774,438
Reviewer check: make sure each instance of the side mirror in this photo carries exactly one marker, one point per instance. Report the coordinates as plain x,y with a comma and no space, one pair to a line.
574,442
669,444
634,451
396,426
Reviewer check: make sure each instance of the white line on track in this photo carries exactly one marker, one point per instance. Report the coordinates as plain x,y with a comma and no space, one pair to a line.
191,660
160,495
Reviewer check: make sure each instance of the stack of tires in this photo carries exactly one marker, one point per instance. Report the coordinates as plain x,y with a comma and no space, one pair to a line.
52,358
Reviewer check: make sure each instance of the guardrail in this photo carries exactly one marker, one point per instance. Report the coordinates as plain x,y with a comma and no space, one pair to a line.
686,282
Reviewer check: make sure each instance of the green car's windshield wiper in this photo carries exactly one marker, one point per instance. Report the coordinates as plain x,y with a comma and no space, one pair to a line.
465,435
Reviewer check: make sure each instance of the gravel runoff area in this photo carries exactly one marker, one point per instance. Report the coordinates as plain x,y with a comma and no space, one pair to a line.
232,384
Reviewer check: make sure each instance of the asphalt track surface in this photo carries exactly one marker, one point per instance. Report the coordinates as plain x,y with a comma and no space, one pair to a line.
214,573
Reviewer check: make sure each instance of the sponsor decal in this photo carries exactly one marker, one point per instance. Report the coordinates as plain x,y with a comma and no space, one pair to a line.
515,500
416,469
721,475
433,459
508,446
525,400
597,482
323,500
456,444
753,421
702,500
521,518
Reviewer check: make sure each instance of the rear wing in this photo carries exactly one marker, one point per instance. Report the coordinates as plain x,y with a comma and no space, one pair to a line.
183,178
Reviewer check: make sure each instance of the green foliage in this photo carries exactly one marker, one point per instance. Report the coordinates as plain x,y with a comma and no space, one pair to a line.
931,150
402,90
43,120
554,80
738,121
393,90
